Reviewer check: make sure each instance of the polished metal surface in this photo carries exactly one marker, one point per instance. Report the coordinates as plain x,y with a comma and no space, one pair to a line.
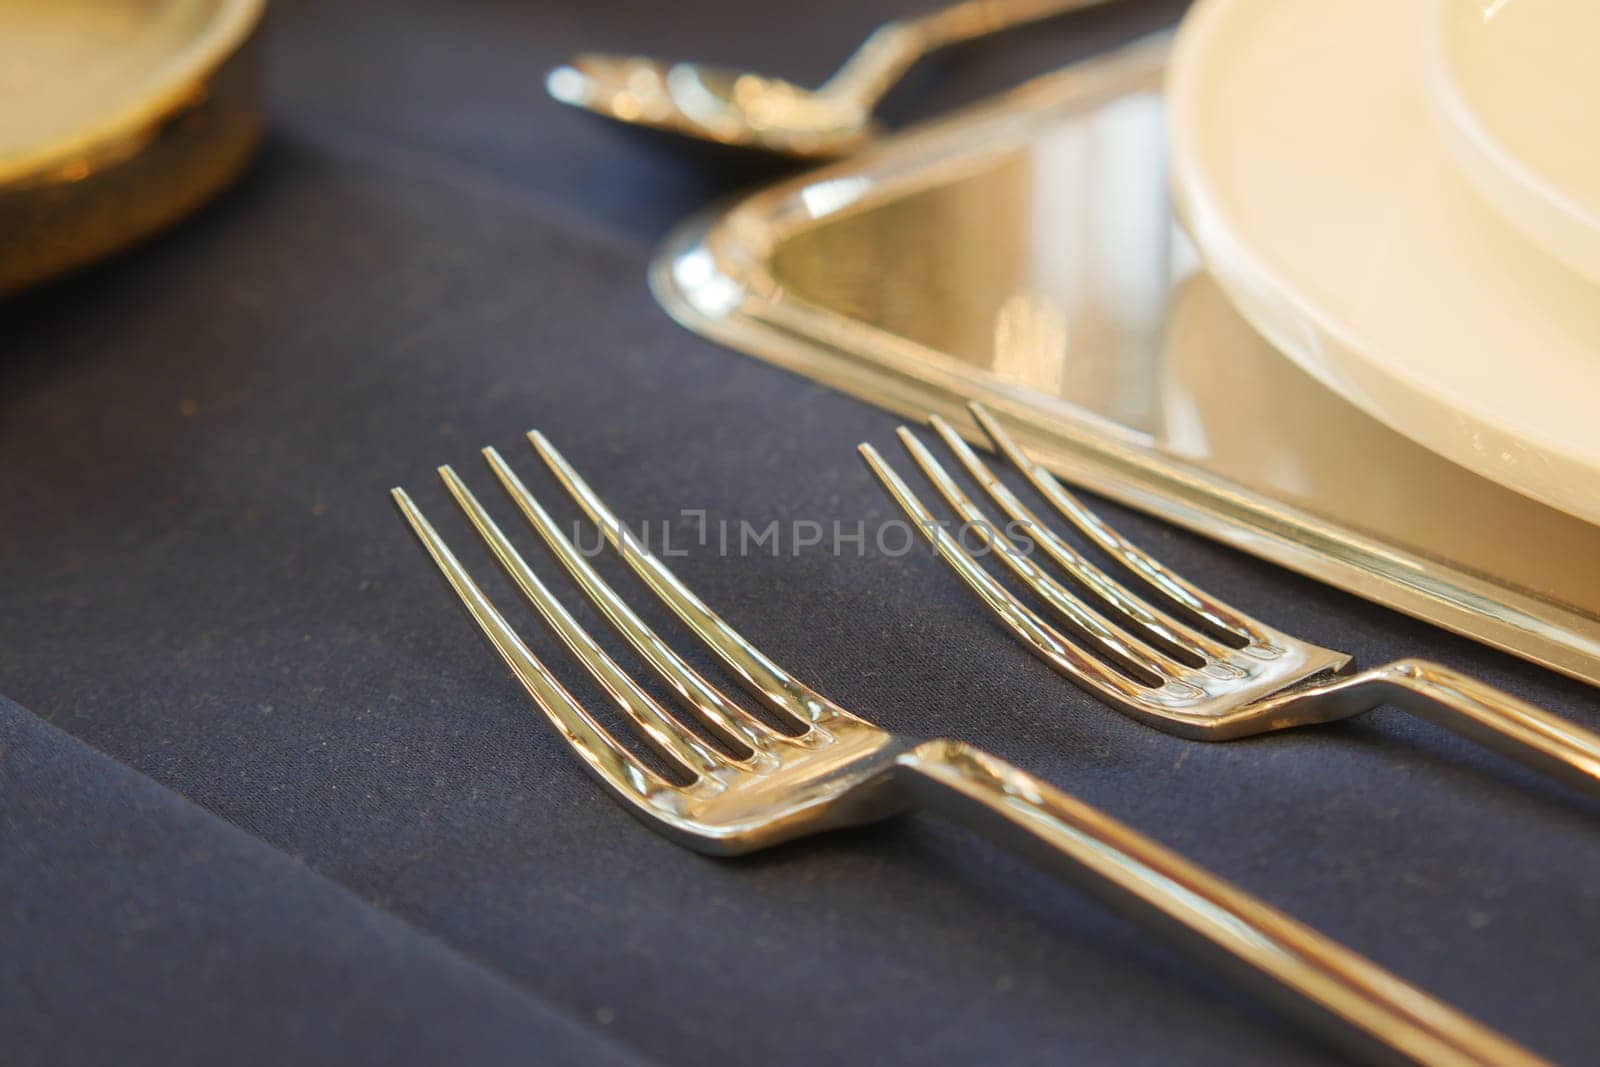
882,275
117,118
1182,660
741,108
806,765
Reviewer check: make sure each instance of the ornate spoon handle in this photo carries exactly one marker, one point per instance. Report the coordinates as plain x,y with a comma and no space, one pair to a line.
895,47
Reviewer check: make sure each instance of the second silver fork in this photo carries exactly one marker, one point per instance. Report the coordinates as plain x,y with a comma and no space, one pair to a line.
1182,660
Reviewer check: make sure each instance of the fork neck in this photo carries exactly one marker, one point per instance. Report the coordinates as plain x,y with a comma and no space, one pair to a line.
1478,711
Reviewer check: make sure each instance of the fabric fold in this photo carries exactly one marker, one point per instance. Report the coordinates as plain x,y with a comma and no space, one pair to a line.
136,927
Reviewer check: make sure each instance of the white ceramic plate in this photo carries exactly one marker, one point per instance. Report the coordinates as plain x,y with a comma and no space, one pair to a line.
1308,171
1515,89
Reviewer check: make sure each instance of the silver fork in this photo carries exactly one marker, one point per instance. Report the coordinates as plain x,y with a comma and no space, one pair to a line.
1183,661
747,785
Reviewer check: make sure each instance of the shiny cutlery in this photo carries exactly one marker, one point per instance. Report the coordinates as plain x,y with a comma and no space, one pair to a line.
748,110
744,784
1183,661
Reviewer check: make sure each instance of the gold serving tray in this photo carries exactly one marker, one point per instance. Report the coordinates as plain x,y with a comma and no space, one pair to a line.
883,275
117,117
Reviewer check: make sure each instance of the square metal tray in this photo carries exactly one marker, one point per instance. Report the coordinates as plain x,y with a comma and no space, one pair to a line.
883,275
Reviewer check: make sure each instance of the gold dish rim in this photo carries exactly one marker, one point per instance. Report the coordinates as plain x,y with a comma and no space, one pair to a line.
123,130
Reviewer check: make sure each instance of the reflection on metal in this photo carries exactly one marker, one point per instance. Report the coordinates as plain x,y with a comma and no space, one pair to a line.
1030,345
888,286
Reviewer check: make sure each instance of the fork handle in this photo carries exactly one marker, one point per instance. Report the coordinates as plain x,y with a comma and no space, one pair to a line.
1352,998
1479,711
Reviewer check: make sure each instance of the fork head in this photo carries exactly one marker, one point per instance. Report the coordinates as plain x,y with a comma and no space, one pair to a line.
736,784
1176,658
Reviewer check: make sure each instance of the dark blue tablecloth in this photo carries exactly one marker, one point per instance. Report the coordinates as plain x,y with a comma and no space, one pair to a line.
272,801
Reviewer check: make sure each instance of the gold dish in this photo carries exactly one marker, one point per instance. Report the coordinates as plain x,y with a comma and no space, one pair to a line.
117,118
743,109
883,275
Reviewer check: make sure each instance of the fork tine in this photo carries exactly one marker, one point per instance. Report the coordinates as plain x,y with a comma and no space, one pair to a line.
1047,642
1123,645
729,721
776,689
669,738
1233,626
613,765
1164,633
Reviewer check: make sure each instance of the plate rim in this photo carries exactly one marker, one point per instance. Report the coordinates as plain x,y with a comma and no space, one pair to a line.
1530,201
1245,273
